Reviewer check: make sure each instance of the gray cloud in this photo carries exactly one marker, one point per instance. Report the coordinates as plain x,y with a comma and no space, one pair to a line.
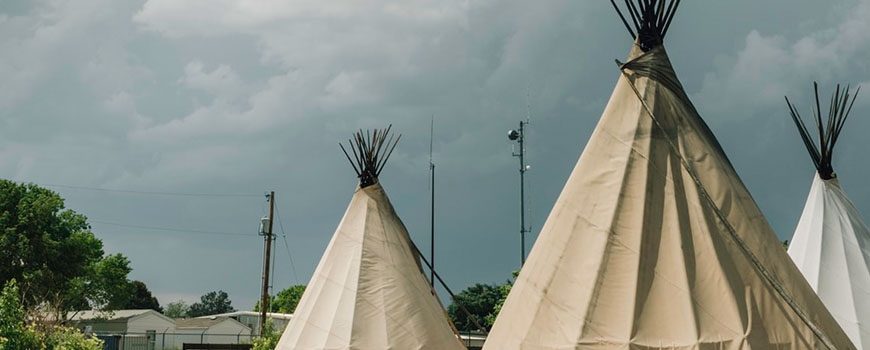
237,96
743,100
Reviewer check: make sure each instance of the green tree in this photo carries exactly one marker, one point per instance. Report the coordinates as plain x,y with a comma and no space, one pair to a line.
178,309
286,300
141,298
53,255
103,287
480,301
505,290
211,303
112,290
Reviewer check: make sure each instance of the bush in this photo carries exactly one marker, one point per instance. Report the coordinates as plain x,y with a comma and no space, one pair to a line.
270,338
15,334
67,338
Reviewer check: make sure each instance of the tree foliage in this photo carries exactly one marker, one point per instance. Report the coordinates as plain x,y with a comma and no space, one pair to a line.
286,300
480,300
53,255
110,288
505,290
141,298
211,303
177,309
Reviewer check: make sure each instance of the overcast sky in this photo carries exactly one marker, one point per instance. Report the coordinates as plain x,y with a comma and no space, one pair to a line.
245,96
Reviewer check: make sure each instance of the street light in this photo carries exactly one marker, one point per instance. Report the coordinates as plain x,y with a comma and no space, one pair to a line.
518,136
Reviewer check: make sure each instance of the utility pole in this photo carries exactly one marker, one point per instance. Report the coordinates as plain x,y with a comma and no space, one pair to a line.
266,228
519,136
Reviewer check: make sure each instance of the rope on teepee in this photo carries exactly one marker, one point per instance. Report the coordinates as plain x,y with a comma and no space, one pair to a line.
756,262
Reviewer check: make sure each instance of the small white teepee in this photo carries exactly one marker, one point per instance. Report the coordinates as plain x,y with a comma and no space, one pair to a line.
831,244
654,242
369,290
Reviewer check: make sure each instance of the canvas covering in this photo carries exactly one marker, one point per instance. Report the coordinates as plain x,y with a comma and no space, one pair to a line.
655,243
831,247
369,290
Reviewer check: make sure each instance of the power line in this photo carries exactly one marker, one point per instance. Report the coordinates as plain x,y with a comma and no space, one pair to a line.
284,235
154,193
170,229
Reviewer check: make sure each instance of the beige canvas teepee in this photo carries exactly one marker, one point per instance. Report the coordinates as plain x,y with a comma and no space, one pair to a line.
654,242
369,290
831,244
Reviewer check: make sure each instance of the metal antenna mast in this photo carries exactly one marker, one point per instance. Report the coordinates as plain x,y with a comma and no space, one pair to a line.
518,135
432,205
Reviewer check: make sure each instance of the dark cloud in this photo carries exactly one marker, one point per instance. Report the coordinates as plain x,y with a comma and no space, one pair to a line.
244,97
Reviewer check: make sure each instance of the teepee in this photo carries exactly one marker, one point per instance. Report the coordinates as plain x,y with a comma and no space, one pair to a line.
831,244
369,290
654,242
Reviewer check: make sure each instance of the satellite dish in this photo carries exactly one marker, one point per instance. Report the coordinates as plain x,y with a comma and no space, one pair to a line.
513,135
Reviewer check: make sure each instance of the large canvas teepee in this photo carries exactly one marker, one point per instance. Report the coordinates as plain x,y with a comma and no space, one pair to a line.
654,242
831,244
369,290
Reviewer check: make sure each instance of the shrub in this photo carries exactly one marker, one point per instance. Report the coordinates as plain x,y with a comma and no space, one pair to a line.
269,339
67,338
15,334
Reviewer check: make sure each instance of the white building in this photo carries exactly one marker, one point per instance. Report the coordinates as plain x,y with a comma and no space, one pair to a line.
127,329
252,319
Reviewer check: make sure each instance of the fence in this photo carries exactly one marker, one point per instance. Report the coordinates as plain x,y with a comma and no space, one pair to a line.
152,340
472,340
217,346
201,340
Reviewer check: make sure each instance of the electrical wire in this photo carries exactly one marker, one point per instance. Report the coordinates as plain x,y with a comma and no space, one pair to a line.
169,229
153,193
284,235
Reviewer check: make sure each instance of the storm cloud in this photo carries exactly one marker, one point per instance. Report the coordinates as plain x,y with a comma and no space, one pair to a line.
242,97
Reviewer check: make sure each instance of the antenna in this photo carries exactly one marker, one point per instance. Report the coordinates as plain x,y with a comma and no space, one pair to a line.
519,136
527,165
528,106
432,205
431,138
